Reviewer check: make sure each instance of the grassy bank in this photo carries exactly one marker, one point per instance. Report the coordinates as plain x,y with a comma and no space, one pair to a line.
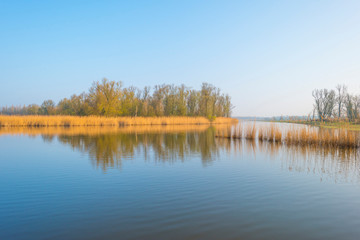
327,124
69,121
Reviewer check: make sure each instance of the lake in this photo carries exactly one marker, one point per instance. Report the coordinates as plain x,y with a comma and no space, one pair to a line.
163,182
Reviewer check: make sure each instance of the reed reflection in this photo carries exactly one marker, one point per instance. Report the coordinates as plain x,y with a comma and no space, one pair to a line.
339,164
109,147
110,150
328,162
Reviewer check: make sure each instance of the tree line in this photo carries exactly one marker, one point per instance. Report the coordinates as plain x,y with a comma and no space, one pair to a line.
111,99
336,104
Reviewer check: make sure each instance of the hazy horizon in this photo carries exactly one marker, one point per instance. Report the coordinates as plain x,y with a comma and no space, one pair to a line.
268,56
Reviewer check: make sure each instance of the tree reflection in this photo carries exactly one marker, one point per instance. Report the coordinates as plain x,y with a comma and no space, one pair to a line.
110,149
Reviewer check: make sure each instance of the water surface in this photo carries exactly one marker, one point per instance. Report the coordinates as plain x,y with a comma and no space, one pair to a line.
172,183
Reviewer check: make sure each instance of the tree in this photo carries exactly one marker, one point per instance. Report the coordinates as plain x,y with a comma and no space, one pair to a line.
32,109
64,107
193,103
108,98
47,108
206,100
105,98
144,101
227,106
181,100
352,104
130,101
159,99
324,102
341,92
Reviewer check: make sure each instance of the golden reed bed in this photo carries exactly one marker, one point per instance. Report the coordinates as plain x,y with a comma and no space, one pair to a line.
97,130
293,136
69,121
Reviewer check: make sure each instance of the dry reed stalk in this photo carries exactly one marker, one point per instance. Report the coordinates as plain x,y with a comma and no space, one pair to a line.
261,134
288,138
68,121
218,133
239,130
303,136
347,138
325,138
33,131
277,135
300,136
250,132
224,132
313,137
229,132
234,133
271,133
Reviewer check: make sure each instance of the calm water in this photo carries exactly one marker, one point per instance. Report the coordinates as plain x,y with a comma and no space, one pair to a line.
172,184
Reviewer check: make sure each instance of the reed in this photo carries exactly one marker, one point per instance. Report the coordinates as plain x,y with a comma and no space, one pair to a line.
238,131
250,132
229,132
271,133
313,137
224,132
97,130
277,135
303,136
289,137
70,121
262,134
299,136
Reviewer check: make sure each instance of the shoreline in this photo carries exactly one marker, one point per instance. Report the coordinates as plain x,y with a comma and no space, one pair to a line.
92,121
326,124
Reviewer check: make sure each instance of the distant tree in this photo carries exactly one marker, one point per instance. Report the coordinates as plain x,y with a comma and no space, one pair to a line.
352,104
181,100
206,100
144,101
227,106
193,103
159,99
104,98
32,109
130,101
341,92
108,98
324,102
64,107
47,108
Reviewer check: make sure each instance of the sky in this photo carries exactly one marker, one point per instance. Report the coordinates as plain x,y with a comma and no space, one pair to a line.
267,55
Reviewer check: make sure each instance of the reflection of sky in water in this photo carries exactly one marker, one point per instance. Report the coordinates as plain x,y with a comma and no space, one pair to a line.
174,185
109,150
108,147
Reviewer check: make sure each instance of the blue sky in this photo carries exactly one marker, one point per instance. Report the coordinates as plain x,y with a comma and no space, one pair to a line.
268,55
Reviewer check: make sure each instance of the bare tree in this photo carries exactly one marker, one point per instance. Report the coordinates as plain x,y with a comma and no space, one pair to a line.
324,102
352,105
341,92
